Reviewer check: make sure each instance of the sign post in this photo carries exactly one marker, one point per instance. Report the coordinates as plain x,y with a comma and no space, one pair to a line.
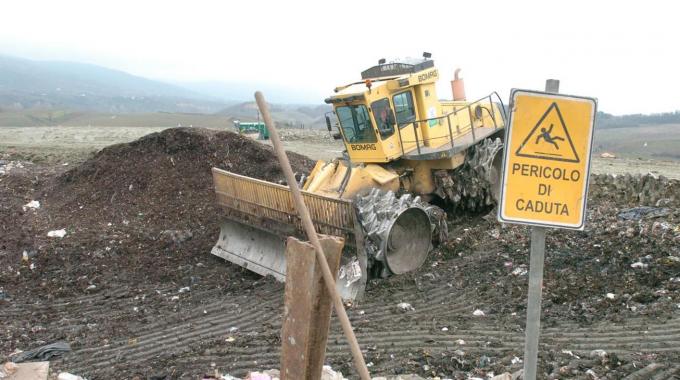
545,181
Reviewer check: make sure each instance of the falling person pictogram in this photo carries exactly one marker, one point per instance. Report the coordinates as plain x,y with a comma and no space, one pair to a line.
547,137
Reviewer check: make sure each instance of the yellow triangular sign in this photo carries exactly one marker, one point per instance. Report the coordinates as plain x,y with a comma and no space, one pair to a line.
549,139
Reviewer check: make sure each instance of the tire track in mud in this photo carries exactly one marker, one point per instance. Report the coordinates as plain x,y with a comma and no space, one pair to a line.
193,332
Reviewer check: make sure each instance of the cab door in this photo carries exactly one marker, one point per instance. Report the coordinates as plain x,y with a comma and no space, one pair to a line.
405,114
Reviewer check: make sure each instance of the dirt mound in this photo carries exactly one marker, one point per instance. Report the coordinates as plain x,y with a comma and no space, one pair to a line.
164,176
137,211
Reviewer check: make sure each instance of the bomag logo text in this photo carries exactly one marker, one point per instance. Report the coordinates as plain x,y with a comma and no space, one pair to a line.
428,75
363,146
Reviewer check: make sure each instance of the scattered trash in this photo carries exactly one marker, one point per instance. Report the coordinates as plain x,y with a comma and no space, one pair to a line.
639,264
643,212
478,313
405,306
184,289
42,353
445,329
502,376
57,233
258,376
69,376
460,342
329,374
570,353
520,271
598,353
610,296
32,205
350,272
176,236
515,360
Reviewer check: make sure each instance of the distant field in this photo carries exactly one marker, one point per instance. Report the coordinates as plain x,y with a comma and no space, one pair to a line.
286,115
660,142
74,144
38,118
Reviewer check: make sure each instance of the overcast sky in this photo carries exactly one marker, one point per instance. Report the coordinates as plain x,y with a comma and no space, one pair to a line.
624,53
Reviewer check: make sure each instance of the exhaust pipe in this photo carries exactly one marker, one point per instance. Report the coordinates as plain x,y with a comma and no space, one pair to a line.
457,87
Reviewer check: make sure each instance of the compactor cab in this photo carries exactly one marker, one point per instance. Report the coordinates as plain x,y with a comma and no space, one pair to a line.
394,113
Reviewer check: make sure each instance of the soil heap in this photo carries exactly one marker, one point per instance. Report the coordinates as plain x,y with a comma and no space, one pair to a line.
145,206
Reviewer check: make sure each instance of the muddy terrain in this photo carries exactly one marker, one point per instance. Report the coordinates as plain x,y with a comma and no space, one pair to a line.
132,288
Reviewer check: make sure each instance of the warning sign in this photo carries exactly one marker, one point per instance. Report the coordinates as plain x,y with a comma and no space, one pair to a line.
547,159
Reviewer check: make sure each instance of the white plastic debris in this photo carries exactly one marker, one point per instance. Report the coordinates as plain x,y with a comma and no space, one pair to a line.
184,289
258,376
57,233
592,374
350,272
611,296
329,374
568,352
228,377
515,360
638,264
69,376
445,329
598,353
460,342
519,271
478,313
32,204
174,298
405,306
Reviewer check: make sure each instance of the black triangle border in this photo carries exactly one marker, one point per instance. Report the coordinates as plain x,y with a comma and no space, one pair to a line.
566,130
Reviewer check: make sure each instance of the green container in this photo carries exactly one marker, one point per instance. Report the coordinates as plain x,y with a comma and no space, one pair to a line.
252,127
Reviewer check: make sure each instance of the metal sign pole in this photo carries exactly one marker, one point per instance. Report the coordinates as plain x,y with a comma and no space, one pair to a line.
536,260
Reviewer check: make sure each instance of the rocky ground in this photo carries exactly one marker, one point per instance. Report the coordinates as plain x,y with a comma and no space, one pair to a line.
134,291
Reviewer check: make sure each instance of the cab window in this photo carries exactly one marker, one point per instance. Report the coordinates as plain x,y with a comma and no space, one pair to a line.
403,105
384,118
356,124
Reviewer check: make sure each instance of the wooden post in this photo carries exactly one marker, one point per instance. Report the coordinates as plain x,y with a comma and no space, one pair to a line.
310,231
307,308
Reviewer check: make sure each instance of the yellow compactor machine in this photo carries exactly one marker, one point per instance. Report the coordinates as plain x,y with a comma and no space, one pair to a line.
409,156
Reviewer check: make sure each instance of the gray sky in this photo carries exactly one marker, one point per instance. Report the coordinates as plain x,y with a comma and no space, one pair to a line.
624,53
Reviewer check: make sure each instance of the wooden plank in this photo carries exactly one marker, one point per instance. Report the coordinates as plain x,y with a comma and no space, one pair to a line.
307,308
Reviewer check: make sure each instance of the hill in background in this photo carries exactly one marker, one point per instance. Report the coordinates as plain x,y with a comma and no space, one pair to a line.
28,84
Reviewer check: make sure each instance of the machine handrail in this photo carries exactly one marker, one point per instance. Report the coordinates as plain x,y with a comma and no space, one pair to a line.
468,107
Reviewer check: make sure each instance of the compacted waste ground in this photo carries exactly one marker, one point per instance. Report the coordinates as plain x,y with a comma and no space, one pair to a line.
132,288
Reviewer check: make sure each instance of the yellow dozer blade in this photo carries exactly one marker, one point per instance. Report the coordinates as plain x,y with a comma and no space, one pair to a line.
260,215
